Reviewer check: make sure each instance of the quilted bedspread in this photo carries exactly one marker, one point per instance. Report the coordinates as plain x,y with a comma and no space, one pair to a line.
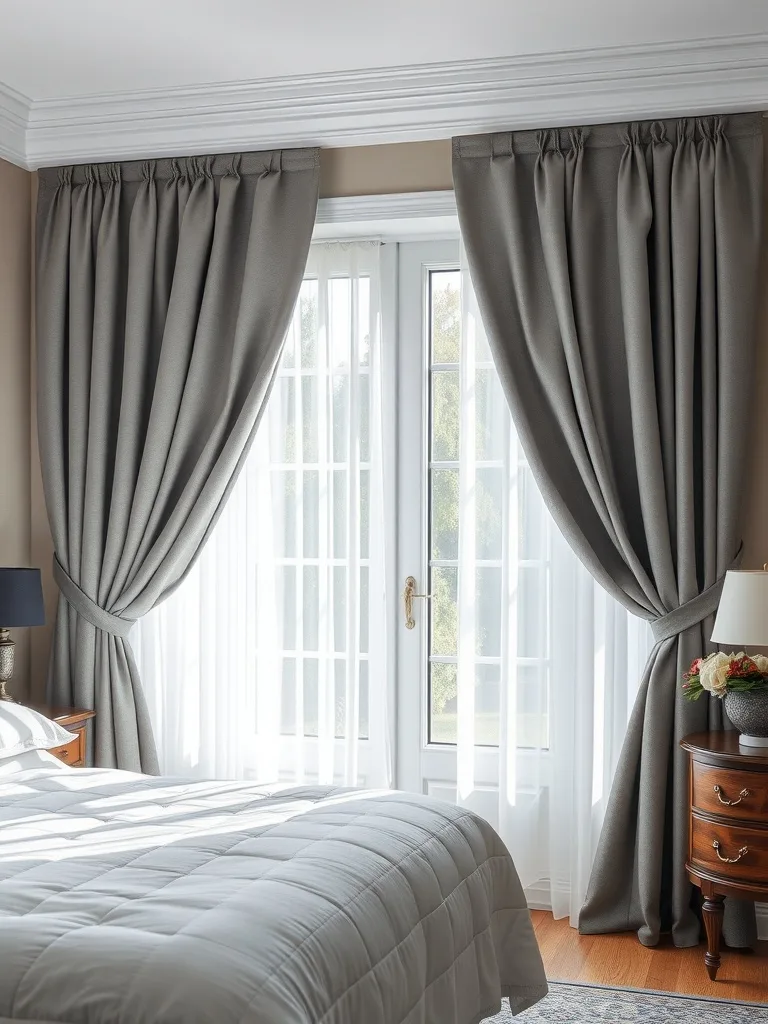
125,898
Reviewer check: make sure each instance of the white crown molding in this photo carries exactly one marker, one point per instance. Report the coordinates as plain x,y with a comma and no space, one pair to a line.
396,104
14,110
388,217
356,209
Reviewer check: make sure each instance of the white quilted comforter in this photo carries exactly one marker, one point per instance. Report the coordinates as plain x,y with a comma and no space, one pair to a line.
126,899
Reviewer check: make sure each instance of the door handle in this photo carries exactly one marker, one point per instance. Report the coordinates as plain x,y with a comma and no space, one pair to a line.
409,595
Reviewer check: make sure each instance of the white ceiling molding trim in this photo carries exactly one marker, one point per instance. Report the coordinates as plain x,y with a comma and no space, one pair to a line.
398,104
409,215
348,209
13,126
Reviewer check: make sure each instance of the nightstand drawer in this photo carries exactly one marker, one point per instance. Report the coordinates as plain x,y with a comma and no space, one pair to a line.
72,753
730,793
728,845
740,853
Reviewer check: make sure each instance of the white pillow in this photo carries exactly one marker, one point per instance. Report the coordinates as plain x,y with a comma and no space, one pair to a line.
31,759
24,729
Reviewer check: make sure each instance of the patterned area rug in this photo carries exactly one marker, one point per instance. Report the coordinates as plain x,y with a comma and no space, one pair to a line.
584,1004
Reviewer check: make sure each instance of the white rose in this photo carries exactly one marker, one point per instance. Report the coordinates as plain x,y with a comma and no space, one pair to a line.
713,671
761,661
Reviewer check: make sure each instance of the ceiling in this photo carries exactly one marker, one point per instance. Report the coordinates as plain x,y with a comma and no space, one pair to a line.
90,79
53,49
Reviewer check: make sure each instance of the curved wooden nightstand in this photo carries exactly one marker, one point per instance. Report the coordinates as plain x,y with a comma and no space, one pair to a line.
728,837
74,720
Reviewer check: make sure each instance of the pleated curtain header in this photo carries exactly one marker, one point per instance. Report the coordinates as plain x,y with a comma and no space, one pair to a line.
180,168
605,136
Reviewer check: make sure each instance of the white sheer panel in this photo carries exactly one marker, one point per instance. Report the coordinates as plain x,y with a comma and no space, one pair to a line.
270,661
542,650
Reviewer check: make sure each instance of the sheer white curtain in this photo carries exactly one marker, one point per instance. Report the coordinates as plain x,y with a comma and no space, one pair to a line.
269,661
571,657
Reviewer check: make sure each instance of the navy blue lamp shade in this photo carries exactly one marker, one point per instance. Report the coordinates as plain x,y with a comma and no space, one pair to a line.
21,598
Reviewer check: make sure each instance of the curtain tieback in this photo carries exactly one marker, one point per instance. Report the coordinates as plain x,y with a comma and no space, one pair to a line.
693,611
85,607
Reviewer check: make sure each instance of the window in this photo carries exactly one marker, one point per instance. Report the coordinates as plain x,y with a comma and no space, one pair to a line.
319,423
482,503
387,451
267,655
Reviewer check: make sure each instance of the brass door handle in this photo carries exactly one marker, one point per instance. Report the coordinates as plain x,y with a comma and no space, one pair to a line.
729,860
409,594
731,803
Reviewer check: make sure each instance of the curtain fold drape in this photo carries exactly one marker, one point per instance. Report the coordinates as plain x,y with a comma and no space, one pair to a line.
164,290
616,271
571,657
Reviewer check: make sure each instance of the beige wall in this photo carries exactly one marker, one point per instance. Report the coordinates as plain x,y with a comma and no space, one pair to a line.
14,388
380,170
41,544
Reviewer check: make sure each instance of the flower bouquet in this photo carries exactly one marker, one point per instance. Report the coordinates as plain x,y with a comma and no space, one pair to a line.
719,674
741,682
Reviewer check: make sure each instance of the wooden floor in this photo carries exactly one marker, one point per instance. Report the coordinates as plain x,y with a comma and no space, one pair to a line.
622,960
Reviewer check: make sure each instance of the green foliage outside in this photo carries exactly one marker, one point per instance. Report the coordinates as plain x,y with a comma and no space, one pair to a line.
446,404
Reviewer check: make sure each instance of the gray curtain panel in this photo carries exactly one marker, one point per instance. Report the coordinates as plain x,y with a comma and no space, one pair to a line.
164,292
616,271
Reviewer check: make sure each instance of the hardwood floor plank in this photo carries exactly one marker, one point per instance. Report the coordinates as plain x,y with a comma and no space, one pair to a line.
539,918
664,969
610,962
568,950
622,960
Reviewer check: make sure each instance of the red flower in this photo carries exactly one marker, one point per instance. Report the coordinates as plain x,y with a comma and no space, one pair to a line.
695,668
739,668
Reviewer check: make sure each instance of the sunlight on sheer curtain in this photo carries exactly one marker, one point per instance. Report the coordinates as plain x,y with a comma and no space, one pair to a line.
569,657
269,661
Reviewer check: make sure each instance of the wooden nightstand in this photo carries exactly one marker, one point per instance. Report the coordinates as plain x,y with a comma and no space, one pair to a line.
73,720
728,839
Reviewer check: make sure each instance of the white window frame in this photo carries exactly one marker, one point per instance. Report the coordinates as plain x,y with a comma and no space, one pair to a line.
429,217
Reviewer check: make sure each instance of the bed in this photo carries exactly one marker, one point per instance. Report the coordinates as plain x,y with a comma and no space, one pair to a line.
129,898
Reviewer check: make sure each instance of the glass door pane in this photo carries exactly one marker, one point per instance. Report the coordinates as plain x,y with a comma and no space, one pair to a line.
444,326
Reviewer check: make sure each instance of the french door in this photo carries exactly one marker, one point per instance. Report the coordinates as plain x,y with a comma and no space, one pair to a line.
428,443
385,461
386,464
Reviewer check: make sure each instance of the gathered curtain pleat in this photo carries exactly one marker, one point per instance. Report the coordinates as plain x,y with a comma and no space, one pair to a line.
616,272
164,291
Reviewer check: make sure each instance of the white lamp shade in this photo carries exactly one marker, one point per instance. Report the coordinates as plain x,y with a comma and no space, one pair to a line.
742,616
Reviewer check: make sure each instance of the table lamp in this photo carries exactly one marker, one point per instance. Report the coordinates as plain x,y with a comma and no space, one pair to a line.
21,604
741,622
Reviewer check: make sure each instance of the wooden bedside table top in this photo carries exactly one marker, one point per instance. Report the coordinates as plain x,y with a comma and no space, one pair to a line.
722,748
63,715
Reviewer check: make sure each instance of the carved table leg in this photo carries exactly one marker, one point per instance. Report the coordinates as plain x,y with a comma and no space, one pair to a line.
713,909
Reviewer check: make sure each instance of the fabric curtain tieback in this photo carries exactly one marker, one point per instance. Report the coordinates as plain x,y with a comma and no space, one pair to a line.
86,608
693,611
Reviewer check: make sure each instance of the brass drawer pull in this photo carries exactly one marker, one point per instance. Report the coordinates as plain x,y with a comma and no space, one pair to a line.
731,803
730,860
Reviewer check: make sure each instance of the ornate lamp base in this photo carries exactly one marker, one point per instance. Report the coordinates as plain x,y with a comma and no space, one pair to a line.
7,647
